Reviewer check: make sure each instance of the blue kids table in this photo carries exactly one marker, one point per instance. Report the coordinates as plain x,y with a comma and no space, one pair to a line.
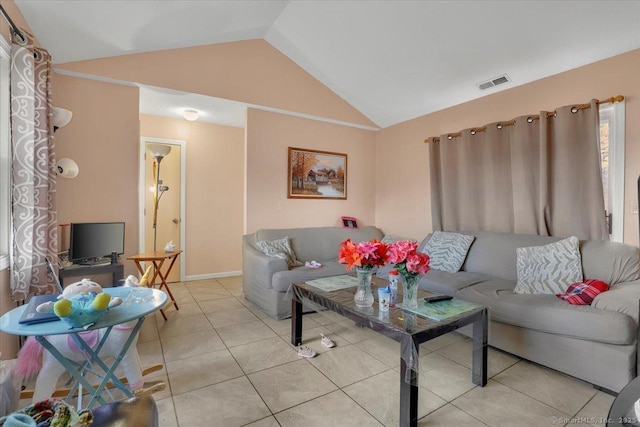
137,303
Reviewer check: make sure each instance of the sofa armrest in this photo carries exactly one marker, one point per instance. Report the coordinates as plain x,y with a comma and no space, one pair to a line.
621,297
258,268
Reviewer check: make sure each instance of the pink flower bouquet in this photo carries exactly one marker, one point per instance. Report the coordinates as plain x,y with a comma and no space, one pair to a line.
362,255
408,261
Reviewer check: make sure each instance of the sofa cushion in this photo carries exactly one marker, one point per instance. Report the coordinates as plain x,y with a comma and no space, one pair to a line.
622,298
547,313
319,243
282,280
449,283
494,253
447,251
391,238
548,269
280,248
583,293
610,262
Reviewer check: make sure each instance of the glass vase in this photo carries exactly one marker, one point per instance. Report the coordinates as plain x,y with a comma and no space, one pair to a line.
364,297
410,291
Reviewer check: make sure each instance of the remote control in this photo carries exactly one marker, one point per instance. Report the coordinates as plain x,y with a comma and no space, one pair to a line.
436,298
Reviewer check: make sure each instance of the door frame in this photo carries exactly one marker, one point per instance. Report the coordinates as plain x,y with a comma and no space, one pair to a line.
142,193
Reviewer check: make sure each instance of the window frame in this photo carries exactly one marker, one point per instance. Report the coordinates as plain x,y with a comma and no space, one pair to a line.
615,114
5,153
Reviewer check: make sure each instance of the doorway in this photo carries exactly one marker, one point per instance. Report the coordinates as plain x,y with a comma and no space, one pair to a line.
171,201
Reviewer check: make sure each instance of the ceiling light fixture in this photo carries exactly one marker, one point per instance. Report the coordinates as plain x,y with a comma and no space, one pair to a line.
191,115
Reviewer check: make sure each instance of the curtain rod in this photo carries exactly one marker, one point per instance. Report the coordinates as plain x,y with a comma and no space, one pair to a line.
530,119
14,27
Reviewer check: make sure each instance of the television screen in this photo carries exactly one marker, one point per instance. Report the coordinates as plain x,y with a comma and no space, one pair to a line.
91,240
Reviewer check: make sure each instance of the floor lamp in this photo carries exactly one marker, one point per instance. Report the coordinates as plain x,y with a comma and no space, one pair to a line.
159,152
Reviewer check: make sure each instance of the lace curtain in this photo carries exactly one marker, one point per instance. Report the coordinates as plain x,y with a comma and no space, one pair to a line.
33,204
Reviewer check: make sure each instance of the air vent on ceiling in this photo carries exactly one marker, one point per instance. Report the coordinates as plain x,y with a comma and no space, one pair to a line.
493,82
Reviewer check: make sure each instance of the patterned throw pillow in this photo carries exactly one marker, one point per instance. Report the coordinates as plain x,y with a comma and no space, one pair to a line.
548,269
390,238
280,248
447,251
583,293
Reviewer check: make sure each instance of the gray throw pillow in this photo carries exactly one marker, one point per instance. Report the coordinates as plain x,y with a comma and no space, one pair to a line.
390,238
280,248
447,251
548,269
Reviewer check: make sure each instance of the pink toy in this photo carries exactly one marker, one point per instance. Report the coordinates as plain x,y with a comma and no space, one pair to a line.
32,359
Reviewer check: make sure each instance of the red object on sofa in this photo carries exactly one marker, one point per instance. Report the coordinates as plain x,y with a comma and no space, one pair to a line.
583,293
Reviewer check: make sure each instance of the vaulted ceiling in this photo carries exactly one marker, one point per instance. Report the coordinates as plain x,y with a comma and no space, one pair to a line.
392,60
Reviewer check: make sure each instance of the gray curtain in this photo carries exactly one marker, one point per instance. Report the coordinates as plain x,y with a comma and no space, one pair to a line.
535,176
34,219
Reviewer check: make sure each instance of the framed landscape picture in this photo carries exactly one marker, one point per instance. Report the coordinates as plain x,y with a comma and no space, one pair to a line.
317,174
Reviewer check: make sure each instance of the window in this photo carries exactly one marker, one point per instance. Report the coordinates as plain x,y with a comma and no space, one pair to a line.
5,152
612,142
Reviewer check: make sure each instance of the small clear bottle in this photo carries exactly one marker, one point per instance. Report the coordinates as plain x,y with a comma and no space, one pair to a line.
394,277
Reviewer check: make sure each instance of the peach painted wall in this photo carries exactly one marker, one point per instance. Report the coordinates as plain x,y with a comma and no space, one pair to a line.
268,137
214,198
253,71
250,71
102,138
402,180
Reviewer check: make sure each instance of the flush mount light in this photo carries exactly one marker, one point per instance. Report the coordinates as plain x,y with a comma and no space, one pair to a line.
191,115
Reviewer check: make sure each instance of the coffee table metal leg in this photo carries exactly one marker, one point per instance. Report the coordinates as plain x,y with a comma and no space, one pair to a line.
408,390
296,322
480,338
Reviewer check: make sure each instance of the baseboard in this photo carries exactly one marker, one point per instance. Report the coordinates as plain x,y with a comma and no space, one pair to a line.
212,275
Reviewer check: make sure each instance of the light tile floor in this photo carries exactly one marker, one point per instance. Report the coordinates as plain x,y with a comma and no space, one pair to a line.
228,364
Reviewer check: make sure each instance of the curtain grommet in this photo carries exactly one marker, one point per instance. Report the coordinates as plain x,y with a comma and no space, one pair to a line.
529,119
499,126
473,131
574,110
449,137
19,39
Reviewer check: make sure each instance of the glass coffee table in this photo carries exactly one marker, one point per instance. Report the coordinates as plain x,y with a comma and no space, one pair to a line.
408,328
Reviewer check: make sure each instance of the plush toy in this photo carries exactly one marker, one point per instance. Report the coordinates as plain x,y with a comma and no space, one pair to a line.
144,280
32,359
81,304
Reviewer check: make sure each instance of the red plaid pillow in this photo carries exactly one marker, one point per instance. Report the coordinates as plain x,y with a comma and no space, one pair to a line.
583,293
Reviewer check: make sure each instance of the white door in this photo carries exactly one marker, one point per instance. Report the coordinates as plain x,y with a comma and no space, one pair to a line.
170,201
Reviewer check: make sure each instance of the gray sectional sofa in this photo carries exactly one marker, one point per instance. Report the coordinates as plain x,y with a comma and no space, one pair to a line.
266,280
597,343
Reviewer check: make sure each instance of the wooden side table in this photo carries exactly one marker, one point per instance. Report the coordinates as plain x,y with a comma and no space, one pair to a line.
158,259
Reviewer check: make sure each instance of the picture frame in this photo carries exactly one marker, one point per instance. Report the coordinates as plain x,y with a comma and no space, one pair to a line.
315,174
349,222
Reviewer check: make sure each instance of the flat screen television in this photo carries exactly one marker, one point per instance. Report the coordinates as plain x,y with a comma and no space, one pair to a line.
91,241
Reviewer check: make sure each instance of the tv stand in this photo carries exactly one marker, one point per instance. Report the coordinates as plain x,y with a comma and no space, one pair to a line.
94,262
88,271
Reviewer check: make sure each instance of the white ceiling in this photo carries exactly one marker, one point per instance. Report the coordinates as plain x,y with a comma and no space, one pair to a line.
392,60
159,101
